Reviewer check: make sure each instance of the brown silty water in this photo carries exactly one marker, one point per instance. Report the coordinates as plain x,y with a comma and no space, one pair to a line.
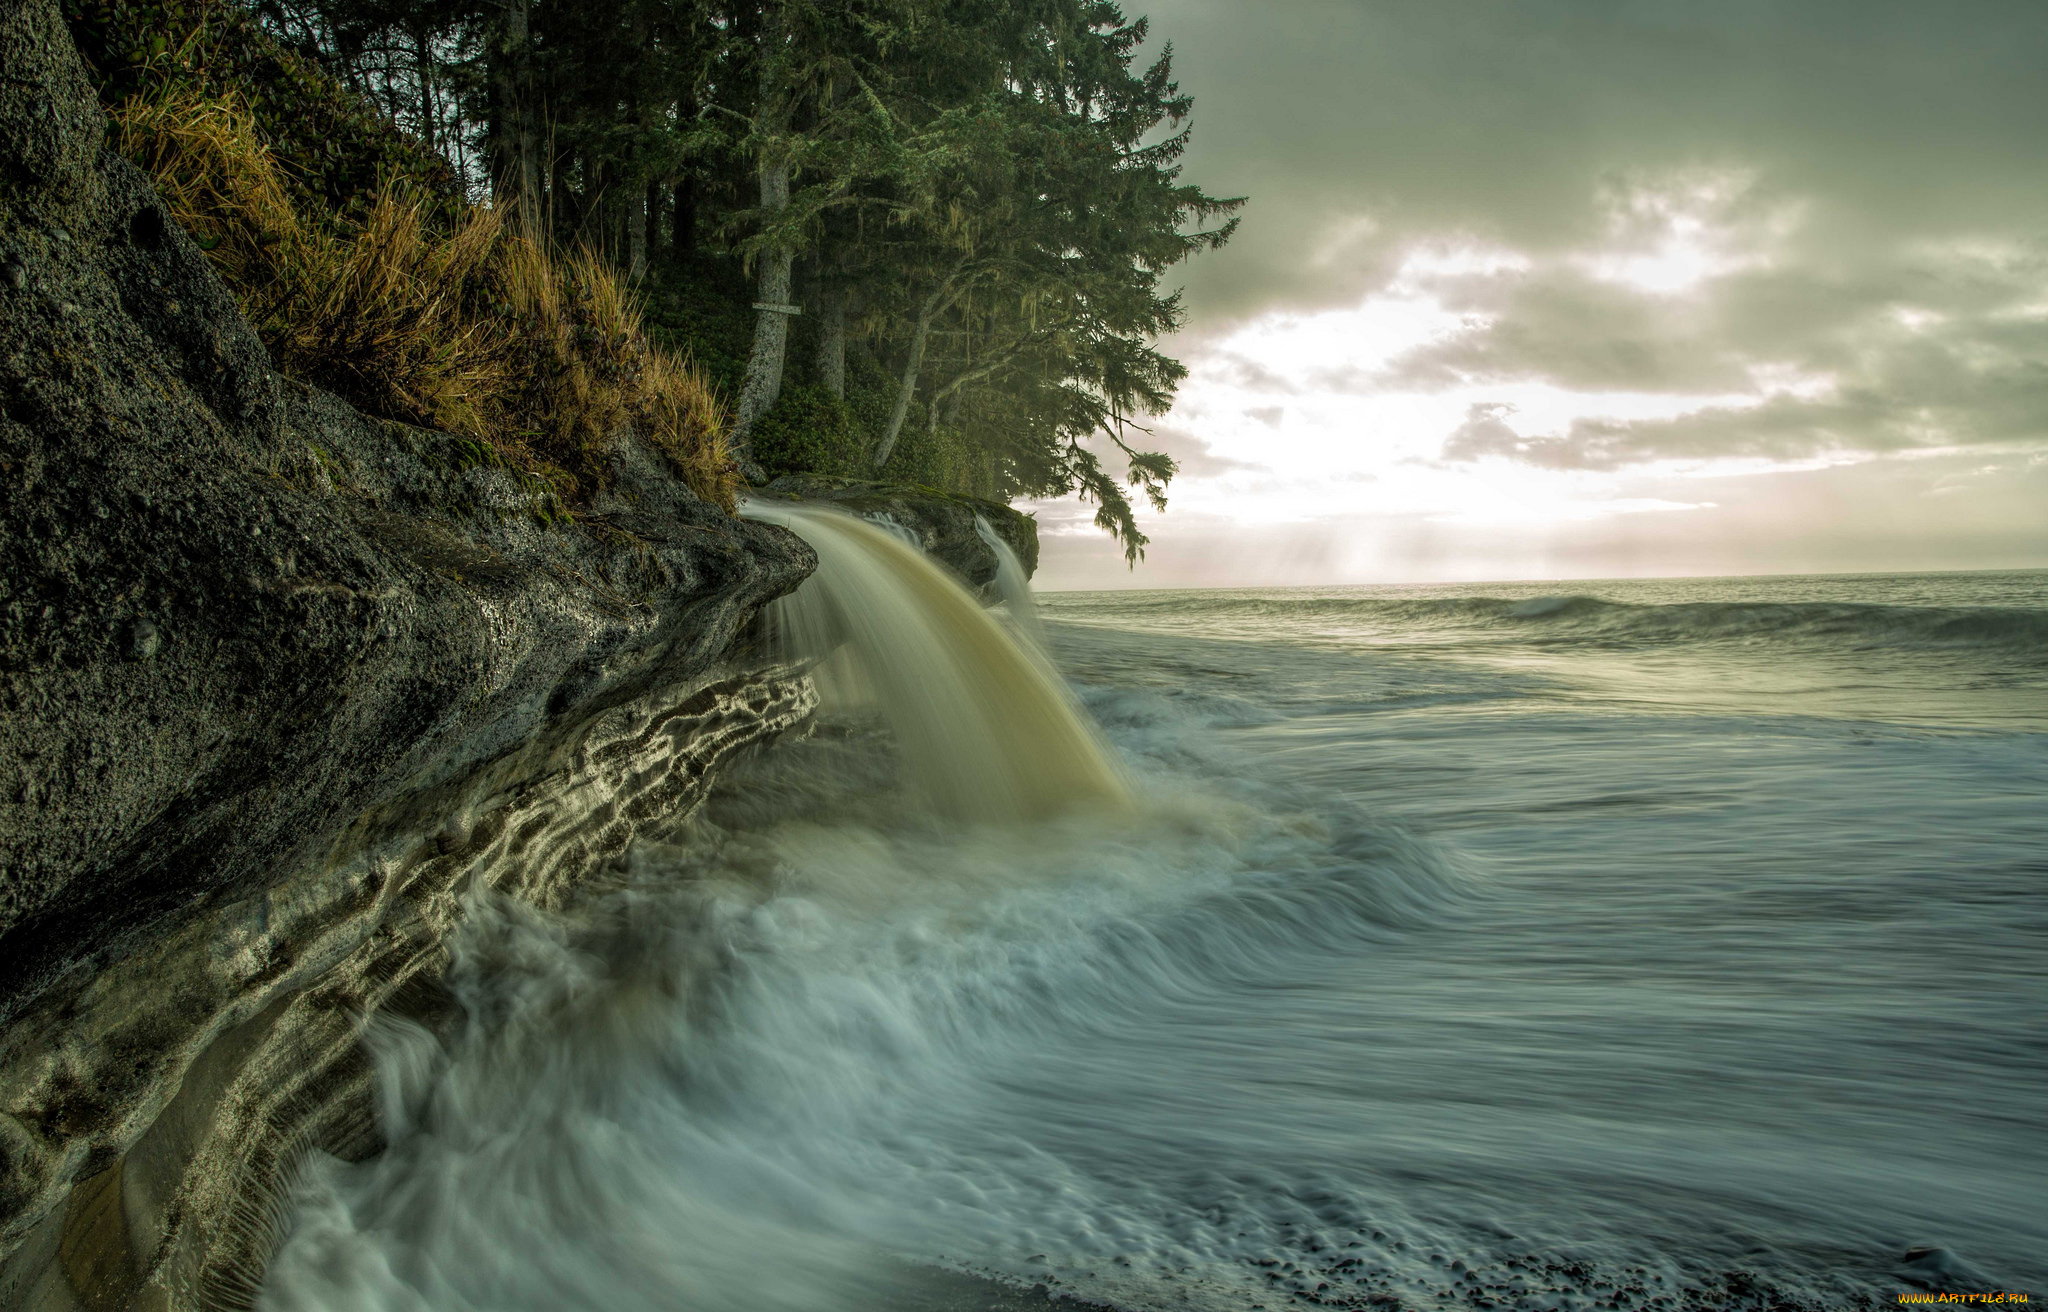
987,733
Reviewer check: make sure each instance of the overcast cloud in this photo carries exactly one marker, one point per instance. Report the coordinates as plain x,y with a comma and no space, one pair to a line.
1608,286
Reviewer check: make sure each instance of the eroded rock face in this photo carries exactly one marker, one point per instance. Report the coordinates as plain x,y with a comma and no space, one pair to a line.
942,522
279,686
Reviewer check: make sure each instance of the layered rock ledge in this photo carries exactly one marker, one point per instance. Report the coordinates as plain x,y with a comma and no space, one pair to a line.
280,686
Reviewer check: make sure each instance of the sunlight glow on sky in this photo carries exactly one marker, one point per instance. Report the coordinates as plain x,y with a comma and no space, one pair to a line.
1303,410
1670,238
1583,351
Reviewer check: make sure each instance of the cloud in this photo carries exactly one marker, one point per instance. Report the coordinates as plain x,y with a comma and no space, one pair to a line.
1563,326
1253,376
1357,129
1191,455
1901,383
1485,432
1540,262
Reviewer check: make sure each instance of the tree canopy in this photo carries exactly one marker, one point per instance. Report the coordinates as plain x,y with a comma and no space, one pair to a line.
913,239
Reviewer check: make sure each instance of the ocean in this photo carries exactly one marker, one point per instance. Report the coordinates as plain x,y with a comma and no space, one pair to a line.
1653,943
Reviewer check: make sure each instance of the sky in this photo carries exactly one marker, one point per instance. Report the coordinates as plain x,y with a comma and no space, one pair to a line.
1603,288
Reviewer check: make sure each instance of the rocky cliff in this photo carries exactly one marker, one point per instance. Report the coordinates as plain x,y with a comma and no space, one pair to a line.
280,685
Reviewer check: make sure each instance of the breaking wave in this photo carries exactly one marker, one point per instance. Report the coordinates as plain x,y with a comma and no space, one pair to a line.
1603,622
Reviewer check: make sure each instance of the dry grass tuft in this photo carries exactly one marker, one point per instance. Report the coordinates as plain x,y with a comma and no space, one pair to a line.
473,328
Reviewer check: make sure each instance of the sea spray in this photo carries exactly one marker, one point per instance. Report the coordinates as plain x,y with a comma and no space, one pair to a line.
1402,983
774,1061
986,732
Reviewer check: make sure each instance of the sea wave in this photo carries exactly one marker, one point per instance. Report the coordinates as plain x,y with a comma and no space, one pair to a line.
1861,626
1598,621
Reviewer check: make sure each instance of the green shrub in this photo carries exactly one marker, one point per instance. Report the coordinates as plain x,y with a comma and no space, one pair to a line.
810,431
942,459
702,308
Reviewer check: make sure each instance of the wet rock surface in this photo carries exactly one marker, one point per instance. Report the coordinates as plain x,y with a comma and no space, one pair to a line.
279,685
941,522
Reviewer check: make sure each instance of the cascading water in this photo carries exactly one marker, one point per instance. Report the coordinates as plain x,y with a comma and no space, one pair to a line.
1013,585
889,524
987,733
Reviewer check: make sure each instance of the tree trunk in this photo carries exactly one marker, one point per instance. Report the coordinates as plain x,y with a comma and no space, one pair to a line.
683,236
423,63
636,233
515,173
945,406
590,215
527,120
907,388
685,240
653,202
558,200
771,317
832,337
563,197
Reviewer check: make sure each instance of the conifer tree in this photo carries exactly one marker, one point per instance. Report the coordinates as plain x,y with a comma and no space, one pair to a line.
976,199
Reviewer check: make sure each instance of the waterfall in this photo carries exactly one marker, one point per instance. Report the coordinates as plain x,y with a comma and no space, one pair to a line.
1013,585
885,521
985,730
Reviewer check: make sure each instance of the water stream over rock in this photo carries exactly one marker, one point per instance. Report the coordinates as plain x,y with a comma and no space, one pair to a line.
986,731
